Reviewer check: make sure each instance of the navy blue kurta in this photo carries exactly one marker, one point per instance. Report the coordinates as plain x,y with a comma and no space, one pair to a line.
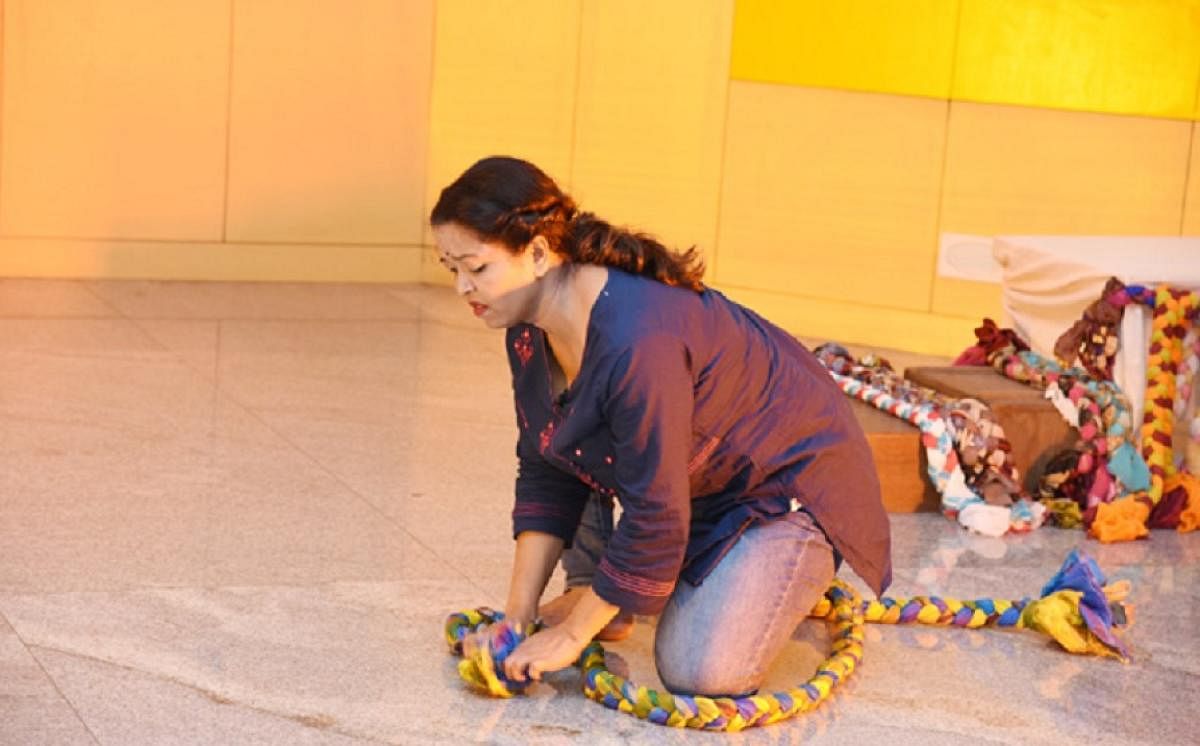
701,418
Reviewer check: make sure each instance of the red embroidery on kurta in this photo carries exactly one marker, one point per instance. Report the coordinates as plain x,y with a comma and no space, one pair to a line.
545,436
523,346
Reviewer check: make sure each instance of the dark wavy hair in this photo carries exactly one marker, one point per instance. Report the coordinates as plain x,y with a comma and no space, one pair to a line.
510,201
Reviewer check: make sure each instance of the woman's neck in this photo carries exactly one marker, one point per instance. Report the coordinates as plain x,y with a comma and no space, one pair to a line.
566,307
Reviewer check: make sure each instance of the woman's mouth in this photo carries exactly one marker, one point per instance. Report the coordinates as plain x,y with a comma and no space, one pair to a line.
479,308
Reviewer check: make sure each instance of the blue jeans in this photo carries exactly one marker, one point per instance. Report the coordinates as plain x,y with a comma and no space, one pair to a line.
719,638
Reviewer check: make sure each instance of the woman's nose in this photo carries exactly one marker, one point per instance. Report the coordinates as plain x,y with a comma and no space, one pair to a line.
462,283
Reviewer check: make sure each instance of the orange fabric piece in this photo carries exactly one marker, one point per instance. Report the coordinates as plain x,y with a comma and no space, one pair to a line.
1189,519
1121,520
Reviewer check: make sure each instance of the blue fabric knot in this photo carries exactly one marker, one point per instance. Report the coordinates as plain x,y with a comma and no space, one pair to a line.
1080,572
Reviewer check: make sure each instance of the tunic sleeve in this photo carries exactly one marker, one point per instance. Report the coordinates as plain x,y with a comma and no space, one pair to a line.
548,499
649,411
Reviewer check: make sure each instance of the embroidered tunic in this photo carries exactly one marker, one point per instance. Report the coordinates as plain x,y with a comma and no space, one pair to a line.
701,418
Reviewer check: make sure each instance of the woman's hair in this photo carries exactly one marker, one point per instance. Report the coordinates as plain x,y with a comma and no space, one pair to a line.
510,201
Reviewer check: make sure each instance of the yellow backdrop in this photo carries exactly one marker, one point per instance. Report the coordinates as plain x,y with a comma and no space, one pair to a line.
813,151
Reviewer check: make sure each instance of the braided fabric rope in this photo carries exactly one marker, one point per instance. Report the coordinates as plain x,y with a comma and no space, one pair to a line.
1076,609
1175,312
1108,464
1189,400
943,467
840,606
984,453
941,435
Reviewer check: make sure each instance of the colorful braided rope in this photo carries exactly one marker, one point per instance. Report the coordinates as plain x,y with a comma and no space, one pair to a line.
1076,608
1104,463
1175,313
949,428
1172,367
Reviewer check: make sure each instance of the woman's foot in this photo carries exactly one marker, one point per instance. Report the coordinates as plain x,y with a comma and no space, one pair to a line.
556,611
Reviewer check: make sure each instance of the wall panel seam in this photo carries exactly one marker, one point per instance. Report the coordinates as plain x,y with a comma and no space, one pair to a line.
204,241
3,76
428,175
712,271
1187,179
838,301
228,126
575,102
941,193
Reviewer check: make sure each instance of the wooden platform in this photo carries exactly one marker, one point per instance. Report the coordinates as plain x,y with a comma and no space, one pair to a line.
1033,426
899,460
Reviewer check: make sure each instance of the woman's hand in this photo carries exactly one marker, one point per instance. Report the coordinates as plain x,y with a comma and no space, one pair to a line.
552,649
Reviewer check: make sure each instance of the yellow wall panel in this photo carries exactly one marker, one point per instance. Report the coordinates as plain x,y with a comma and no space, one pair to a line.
888,46
114,118
207,261
329,120
1112,56
651,113
1027,171
831,194
504,81
1037,171
857,323
967,299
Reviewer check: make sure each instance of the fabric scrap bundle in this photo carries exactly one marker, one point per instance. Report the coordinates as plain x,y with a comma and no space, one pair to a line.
1172,497
969,458
1077,609
1145,482
1105,463
1171,366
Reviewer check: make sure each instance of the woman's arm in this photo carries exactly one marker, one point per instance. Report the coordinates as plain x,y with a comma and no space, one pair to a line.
556,647
589,616
533,563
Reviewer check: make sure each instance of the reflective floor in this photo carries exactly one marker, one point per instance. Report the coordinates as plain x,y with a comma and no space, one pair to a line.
236,514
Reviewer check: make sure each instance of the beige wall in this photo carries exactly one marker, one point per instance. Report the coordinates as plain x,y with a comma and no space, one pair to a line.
209,139
306,140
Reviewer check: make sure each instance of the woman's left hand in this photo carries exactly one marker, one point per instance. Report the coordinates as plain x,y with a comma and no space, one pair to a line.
552,649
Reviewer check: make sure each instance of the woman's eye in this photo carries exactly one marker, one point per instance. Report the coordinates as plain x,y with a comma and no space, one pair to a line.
477,270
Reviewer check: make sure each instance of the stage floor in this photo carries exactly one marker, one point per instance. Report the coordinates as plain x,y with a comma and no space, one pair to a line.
239,513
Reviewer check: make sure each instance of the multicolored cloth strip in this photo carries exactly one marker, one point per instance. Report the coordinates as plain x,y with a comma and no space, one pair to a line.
1173,367
1108,464
950,428
1170,369
1077,609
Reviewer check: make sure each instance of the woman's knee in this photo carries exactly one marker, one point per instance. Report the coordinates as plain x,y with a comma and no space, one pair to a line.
698,673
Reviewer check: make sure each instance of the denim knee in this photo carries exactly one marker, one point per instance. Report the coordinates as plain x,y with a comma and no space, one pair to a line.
696,675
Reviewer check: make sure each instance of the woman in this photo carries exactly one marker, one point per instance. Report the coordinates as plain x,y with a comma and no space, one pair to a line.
742,475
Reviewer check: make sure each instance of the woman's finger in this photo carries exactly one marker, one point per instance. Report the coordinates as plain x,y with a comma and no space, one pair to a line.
514,668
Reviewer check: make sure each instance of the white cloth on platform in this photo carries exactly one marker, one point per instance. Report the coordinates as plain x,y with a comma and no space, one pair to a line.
1048,281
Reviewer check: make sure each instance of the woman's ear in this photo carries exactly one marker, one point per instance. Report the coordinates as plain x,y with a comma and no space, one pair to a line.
540,254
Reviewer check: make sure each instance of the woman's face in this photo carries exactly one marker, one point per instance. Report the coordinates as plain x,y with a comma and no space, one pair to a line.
501,287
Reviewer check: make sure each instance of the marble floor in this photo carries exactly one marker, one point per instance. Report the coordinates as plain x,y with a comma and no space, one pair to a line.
239,513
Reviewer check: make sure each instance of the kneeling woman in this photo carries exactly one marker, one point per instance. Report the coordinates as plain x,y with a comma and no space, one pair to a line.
741,473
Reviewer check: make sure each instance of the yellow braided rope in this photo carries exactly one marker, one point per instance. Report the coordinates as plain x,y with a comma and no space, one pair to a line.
1057,614
840,607
1173,311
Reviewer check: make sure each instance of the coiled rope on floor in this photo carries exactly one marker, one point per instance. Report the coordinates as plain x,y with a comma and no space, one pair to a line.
1077,609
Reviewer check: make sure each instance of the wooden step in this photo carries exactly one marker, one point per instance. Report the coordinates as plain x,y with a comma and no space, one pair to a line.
1033,426
899,460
